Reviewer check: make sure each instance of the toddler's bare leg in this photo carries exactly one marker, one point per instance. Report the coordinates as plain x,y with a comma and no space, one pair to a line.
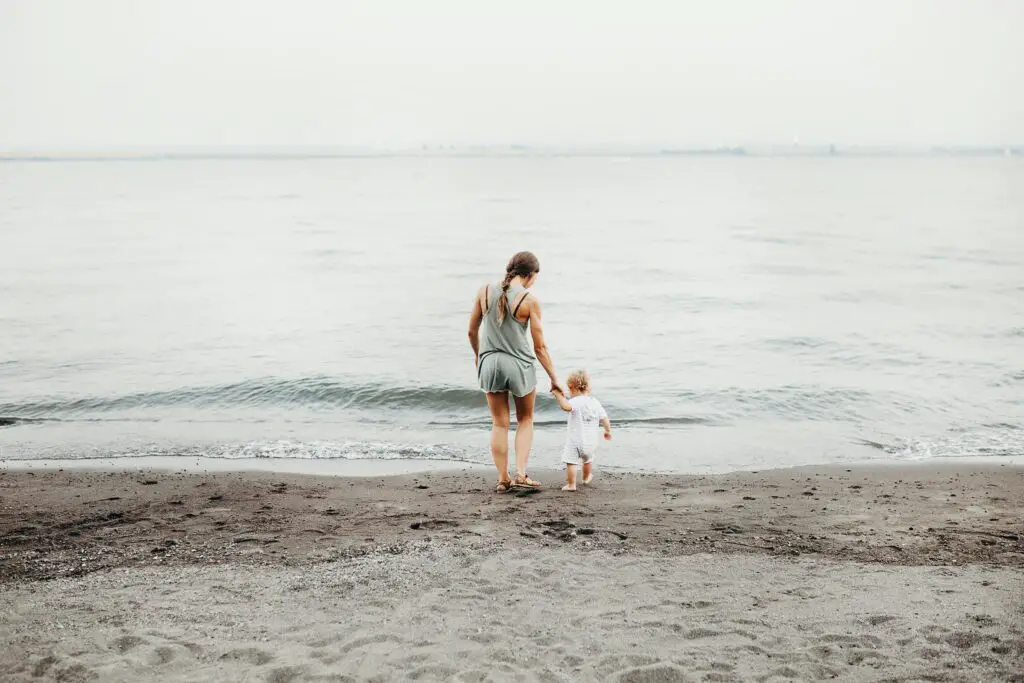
570,478
588,472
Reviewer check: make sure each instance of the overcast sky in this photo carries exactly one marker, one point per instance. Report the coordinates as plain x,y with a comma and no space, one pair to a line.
116,73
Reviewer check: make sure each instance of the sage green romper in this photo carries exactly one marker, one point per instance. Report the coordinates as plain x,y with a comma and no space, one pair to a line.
507,361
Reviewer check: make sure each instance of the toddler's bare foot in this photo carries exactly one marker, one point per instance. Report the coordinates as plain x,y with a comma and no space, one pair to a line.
568,488
587,480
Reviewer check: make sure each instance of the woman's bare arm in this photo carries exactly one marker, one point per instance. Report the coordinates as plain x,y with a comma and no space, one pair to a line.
476,317
540,347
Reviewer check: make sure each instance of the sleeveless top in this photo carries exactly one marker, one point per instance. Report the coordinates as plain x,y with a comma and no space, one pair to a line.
511,336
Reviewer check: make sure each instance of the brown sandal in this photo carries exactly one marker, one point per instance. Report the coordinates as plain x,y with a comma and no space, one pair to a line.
523,481
503,486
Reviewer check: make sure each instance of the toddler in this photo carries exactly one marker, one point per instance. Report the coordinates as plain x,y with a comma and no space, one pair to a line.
585,416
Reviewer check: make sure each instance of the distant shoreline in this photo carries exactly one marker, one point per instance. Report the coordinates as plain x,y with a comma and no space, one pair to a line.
513,151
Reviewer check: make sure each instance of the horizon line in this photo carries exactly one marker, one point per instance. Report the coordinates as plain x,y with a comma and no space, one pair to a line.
171,152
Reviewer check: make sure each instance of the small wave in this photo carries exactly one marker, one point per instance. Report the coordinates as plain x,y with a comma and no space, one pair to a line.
448,405
311,392
1008,380
665,421
12,421
1003,425
329,450
619,422
300,450
315,393
796,402
873,444
1001,440
790,343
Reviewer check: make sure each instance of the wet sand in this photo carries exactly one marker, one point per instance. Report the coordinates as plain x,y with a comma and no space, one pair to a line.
856,573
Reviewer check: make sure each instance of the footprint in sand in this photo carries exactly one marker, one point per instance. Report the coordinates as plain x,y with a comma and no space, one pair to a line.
1004,649
879,619
358,643
192,648
700,633
965,640
435,672
573,661
787,672
75,674
657,673
125,643
43,665
857,656
251,655
934,633
434,524
284,674
983,620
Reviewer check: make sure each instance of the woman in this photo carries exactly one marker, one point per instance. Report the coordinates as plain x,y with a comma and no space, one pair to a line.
505,361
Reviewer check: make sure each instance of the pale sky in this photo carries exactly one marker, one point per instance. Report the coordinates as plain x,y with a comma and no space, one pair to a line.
116,73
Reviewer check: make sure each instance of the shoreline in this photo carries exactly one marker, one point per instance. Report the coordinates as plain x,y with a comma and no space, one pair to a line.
387,467
318,467
856,573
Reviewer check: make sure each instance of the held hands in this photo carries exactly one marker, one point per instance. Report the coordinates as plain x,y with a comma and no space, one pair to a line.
607,436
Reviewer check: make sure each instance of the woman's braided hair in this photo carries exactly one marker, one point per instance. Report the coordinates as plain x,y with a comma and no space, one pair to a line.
524,264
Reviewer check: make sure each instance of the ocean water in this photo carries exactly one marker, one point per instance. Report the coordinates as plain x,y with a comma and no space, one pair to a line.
733,312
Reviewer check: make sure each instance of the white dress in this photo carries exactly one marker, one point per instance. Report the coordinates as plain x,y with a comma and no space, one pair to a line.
583,430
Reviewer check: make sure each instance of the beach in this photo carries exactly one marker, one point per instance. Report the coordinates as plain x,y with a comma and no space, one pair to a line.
256,362
883,572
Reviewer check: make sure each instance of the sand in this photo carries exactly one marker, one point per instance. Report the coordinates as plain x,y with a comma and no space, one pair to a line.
861,573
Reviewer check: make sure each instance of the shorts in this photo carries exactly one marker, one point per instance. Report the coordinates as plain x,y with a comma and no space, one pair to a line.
502,372
573,454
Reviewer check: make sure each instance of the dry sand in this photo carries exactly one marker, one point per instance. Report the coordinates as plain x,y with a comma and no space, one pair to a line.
882,573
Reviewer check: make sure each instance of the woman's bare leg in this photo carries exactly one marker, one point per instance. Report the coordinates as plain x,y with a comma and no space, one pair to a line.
498,403
524,431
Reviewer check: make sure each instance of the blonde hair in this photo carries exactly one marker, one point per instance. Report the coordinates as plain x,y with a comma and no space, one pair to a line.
579,380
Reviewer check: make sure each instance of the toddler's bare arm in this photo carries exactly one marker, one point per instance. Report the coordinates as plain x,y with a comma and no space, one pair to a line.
563,402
